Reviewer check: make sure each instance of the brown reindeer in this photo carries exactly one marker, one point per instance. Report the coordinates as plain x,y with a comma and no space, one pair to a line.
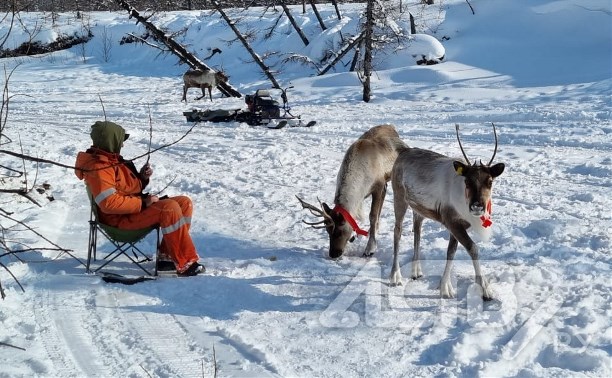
455,194
365,171
202,79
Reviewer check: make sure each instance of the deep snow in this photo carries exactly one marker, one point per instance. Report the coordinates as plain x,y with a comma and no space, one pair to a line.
271,302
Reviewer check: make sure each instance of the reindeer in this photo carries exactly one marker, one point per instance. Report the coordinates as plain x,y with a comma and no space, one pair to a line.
365,171
454,194
202,79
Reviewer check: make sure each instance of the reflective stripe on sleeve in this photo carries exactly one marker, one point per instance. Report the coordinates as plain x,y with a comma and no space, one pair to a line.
104,195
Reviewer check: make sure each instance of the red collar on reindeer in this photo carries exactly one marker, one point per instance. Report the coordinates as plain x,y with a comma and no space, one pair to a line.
349,218
486,218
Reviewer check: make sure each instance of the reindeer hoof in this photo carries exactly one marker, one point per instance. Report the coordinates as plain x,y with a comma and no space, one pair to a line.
487,293
417,277
395,278
487,296
447,291
367,255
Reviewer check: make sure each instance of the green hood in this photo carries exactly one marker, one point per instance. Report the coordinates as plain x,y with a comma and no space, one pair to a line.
108,136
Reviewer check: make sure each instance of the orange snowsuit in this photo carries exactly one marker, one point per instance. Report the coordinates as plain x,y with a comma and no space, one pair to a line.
117,186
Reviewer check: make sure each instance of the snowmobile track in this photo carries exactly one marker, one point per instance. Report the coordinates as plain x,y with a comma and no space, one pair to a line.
66,342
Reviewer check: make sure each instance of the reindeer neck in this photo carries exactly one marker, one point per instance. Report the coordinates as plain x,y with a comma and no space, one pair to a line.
350,198
353,185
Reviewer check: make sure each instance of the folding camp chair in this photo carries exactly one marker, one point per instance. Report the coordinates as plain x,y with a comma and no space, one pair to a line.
123,242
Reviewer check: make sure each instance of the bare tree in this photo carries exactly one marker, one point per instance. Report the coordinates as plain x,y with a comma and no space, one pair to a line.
85,30
335,3
352,43
31,31
9,17
317,15
247,46
176,48
107,38
15,181
294,23
367,59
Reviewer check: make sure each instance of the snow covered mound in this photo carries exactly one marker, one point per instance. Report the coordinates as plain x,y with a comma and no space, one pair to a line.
426,49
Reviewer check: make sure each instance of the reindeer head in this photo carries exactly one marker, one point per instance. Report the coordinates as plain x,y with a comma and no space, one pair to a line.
478,180
339,230
220,76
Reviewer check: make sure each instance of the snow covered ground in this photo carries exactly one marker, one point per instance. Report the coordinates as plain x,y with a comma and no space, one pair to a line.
272,303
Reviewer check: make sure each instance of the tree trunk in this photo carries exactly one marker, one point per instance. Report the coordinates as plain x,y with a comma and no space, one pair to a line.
343,51
176,48
295,25
246,45
316,12
336,8
367,59
412,26
356,56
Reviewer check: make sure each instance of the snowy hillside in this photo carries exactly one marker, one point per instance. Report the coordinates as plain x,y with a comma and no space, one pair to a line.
272,303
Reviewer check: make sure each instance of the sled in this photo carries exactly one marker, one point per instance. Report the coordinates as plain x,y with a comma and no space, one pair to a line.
262,109
133,279
219,115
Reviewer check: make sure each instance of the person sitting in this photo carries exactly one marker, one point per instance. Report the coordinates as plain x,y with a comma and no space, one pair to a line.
117,189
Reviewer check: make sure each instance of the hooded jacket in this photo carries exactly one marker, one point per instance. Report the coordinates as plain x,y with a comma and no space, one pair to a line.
113,182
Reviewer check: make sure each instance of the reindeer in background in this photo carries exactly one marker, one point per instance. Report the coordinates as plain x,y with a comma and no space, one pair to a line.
203,80
365,171
455,194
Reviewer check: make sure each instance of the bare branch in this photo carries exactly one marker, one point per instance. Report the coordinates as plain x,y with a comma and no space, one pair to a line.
145,42
165,187
103,110
40,160
63,250
163,146
9,345
472,8
35,159
145,370
150,135
2,294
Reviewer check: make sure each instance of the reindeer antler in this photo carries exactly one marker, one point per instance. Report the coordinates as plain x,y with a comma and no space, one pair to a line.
318,212
460,146
495,150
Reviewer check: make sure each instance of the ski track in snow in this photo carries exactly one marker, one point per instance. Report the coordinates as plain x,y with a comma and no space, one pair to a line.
54,339
78,336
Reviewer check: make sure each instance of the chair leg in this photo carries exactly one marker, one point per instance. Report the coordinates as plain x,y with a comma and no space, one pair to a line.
157,246
121,248
91,247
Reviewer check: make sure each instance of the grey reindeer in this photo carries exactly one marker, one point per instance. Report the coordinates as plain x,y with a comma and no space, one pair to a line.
203,80
455,194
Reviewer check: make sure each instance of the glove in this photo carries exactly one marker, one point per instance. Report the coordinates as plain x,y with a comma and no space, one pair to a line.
146,171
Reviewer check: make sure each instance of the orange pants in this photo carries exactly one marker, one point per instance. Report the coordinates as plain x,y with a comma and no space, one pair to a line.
173,215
